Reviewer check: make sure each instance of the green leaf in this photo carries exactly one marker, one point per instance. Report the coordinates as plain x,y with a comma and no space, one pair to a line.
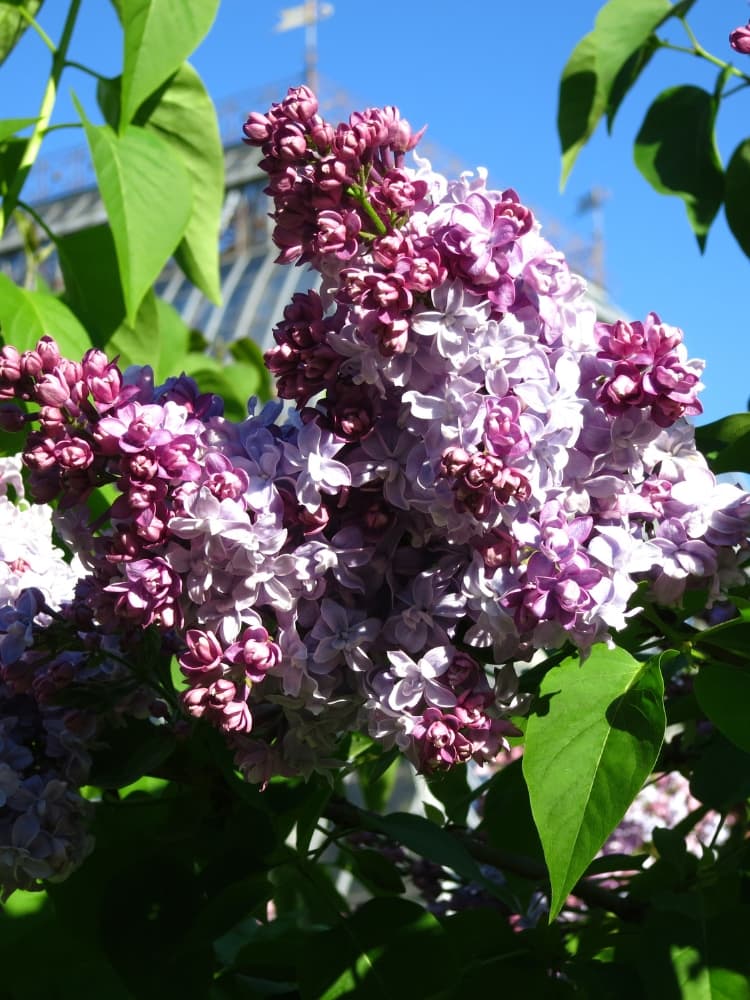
174,342
185,117
376,872
721,776
675,150
318,794
147,193
703,957
159,36
13,24
726,442
92,287
723,692
602,67
429,841
697,981
26,316
135,749
11,154
736,201
580,104
386,949
9,126
593,741
507,821
452,789
182,113
138,343
628,75
249,354
733,635
378,778
108,97
234,383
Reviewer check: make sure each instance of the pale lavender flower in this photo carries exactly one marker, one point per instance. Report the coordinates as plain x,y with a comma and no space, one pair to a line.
313,455
343,636
411,681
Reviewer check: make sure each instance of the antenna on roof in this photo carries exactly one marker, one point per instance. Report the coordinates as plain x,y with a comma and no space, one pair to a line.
306,15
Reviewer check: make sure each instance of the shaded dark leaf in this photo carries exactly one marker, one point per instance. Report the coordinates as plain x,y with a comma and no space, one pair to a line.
736,200
675,150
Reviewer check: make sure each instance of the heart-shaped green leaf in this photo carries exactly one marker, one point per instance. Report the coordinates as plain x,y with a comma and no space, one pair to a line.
147,193
675,150
26,316
589,748
185,117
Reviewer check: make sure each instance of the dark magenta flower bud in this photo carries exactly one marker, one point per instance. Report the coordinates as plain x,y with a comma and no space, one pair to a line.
739,39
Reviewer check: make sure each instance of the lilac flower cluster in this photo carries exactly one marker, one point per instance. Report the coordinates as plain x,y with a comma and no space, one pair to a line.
474,470
43,818
28,555
43,756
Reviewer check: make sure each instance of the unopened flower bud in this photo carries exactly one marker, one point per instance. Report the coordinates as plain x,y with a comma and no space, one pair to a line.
739,39
49,353
52,390
10,364
31,364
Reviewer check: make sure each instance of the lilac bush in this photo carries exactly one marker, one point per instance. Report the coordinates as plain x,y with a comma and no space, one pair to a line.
474,468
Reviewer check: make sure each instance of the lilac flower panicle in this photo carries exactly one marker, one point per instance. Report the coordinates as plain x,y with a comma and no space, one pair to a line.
470,469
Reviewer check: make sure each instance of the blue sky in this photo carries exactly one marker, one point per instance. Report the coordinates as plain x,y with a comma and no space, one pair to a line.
484,78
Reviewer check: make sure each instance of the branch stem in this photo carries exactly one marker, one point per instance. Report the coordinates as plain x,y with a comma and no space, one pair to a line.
45,113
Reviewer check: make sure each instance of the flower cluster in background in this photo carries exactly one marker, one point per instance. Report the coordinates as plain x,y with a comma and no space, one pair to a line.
474,470
28,554
43,754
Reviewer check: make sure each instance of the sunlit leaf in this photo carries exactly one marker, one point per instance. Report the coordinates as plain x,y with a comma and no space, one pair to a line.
159,36
147,193
589,747
10,126
174,342
182,113
186,118
26,316
13,24
139,342
601,68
